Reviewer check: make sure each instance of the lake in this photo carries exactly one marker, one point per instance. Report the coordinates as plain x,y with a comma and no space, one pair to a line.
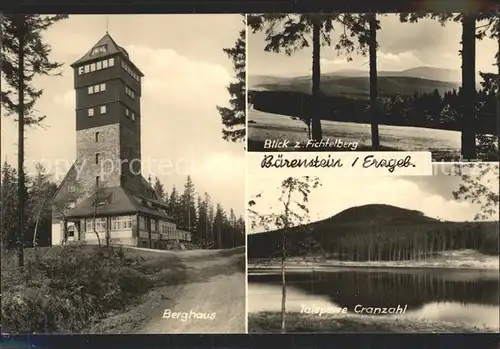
438,295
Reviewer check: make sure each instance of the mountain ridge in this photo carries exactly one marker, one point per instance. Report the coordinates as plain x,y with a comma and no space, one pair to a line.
355,82
375,224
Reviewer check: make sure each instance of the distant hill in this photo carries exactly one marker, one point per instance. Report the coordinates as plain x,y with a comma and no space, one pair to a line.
356,82
430,73
385,230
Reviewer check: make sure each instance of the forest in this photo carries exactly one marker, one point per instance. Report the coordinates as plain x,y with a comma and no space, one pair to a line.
378,233
212,226
429,110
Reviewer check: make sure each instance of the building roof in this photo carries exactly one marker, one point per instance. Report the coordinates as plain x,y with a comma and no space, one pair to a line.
114,201
112,48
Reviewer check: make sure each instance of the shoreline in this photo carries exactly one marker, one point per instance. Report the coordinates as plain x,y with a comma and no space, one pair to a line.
295,267
487,264
270,322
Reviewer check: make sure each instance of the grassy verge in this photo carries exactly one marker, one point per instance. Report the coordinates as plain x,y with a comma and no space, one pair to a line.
69,289
270,322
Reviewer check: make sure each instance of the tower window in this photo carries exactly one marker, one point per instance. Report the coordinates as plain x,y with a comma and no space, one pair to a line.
97,158
105,64
98,65
92,67
111,62
130,71
97,137
80,70
133,116
91,111
97,88
98,49
127,112
129,92
86,69
103,109
97,181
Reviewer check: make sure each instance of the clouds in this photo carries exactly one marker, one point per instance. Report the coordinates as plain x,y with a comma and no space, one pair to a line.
397,61
339,193
401,46
185,79
65,100
385,61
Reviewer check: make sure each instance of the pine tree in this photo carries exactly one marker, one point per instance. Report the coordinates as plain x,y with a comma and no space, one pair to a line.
159,189
364,28
173,202
210,221
289,33
242,231
24,57
202,226
232,229
40,193
188,209
234,118
219,220
9,223
470,32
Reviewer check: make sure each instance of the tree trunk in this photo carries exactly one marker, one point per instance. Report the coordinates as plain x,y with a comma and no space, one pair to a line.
108,237
94,224
283,283
498,76
316,132
20,154
35,234
469,86
65,230
373,81
283,258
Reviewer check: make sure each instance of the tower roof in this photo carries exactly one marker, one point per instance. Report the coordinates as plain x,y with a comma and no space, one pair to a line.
103,48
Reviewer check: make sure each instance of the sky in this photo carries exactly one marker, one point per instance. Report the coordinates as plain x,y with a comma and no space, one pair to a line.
186,75
401,46
432,195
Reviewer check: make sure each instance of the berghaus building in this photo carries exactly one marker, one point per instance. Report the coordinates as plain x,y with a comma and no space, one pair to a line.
104,192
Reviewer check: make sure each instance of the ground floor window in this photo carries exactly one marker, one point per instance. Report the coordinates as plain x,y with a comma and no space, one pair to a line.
121,222
100,225
71,231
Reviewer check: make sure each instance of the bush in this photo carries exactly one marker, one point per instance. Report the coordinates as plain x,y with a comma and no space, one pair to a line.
67,290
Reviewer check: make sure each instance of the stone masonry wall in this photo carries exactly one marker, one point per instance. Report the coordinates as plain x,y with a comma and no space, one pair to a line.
108,147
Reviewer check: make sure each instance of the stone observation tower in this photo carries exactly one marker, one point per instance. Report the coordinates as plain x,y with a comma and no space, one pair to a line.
105,181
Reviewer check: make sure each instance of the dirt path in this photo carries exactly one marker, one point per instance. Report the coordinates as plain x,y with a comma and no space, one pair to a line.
194,283
214,283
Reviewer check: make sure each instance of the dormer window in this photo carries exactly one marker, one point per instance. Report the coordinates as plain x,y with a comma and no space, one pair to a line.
99,49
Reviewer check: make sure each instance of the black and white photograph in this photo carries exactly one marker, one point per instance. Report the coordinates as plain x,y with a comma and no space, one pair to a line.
368,82
375,254
123,174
